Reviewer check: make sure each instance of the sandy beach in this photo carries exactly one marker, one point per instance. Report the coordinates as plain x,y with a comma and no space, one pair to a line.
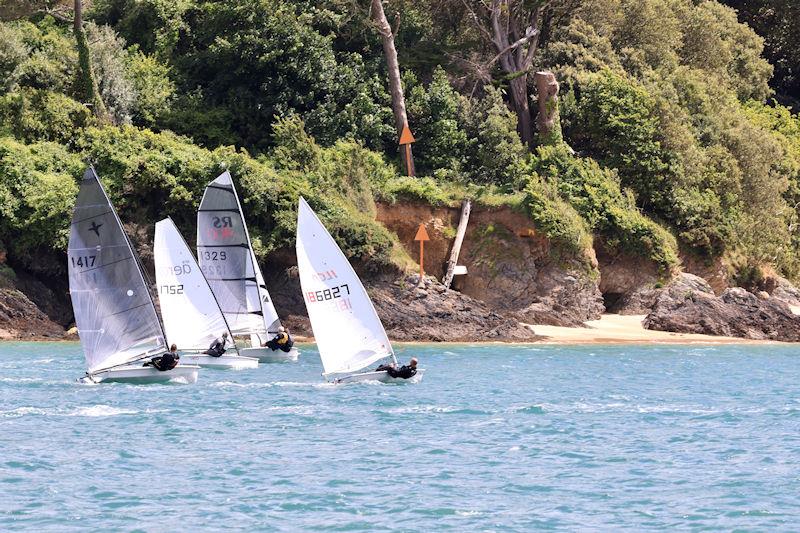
628,329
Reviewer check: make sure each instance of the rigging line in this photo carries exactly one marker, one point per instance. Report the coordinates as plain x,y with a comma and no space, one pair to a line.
226,188
129,309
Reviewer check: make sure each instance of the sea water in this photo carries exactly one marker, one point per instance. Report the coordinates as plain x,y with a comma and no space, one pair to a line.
496,438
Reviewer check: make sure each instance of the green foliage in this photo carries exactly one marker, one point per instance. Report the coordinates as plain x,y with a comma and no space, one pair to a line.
595,194
152,86
433,110
617,122
51,60
151,175
37,192
664,101
556,218
13,53
37,114
495,153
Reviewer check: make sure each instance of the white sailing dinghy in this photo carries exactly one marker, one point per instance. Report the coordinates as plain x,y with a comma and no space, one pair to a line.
114,310
348,332
191,314
226,258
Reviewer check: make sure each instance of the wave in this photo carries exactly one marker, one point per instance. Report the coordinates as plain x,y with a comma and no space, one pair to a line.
88,411
100,410
22,411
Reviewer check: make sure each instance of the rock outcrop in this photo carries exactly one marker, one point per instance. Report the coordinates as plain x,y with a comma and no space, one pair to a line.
412,311
781,289
20,318
683,308
642,300
511,266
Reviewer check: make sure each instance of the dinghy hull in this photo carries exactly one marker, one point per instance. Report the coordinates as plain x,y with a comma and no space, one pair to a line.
224,362
381,376
267,355
139,374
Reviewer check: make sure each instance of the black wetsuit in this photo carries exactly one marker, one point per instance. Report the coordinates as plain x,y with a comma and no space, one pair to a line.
404,371
281,341
165,362
217,348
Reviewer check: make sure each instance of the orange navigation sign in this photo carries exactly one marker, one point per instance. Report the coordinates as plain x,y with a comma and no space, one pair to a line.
406,138
422,236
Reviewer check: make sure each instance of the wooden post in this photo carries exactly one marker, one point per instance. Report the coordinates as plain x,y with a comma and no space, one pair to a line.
421,236
466,207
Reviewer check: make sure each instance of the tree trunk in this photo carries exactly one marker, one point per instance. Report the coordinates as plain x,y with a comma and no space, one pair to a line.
87,88
395,87
519,97
548,122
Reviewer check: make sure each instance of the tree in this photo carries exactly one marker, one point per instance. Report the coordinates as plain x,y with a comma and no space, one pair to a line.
393,66
778,21
87,87
514,29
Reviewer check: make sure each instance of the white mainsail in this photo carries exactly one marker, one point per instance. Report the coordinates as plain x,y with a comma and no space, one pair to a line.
114,310
347,330
226,258
191,314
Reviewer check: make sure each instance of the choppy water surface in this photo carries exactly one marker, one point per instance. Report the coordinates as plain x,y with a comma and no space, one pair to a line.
494,439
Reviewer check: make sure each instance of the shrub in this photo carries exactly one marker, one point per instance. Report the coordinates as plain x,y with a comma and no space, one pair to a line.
595,194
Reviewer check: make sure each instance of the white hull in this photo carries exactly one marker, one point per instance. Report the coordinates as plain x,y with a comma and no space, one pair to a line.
144,374
267,355
224,362
381,376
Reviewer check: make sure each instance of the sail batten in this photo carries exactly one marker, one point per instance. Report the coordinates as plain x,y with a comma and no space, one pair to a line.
226,258
191,313
348,332
114,310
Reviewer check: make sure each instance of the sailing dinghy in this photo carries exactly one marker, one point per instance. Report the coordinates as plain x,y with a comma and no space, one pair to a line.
349,335
191,314
114,310
226,258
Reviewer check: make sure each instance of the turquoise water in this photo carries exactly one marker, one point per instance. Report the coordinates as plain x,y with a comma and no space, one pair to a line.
494,439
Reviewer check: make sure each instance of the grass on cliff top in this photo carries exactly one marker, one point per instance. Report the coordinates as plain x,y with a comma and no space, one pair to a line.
447,193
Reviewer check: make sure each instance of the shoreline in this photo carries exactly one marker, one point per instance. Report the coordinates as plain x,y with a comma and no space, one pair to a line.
609,329
628,329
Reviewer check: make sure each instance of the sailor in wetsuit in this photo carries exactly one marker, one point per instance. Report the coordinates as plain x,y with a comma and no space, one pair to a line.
405,371
281,341
165,362
217,347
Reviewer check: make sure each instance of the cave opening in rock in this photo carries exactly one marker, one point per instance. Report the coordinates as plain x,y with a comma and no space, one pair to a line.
612,301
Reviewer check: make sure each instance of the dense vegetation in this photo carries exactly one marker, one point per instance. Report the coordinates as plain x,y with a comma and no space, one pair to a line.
672,139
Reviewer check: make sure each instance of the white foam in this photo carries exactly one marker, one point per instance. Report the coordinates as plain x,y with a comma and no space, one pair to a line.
22,411
100,410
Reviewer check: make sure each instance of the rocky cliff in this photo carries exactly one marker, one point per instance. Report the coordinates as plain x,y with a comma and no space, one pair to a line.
514,276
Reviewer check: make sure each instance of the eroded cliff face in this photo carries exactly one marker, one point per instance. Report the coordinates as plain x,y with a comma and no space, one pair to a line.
511,266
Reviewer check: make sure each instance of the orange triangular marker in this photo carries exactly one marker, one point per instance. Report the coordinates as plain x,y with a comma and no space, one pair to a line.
422,234
406,137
